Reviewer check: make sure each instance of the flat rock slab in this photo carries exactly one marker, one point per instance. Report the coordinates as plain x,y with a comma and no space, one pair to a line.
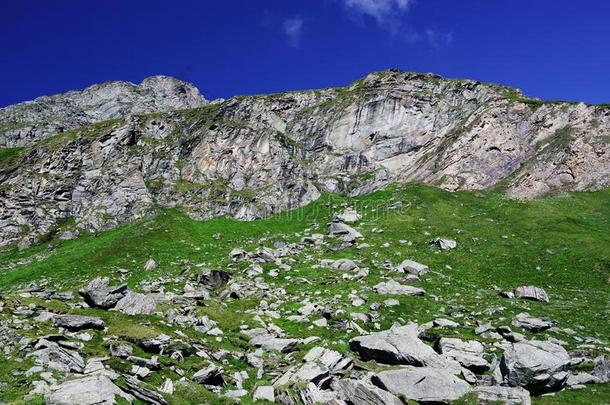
98,294
360,393
136,304
531,293
393,287
503,395
531,323
398,345
91,390
412,267
78,322
423,384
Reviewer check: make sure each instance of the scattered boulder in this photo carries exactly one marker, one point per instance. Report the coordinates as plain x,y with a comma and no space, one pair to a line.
214,279
53,356
397,345
134,303
360,393
349,215
531,323
338,228
211,375
90,390
393,287
147,395
237,254
98,294
601,370
150,265
531,293
264,393
503,395
344,264
444,244
423,384
538,366
412,267
469,353
78,322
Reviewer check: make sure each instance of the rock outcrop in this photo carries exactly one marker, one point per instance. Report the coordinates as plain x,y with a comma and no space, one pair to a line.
250,157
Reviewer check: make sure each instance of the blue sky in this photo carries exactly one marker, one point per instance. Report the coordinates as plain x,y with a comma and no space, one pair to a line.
553,49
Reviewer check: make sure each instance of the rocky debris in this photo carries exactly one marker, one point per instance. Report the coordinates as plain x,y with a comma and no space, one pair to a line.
214,279
266,341
136,304
392,287
601,370
211,375
423,384
397,345
349,215
358,392
531,323
98,294
156,344
531,293
412,267
538,366
444,244
89,390
581,378
54,356
503,395
237,254
78,322
346,232
264,393
469,353
147,395
344,264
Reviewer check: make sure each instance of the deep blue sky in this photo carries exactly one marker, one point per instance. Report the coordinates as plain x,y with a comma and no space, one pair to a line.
553,49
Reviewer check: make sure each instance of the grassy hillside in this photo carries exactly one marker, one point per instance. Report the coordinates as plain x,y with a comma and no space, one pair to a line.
559,243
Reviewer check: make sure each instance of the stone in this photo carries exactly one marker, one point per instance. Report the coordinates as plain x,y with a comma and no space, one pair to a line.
503,395
147,395
150,265
78,322
537,366
214,279
444,244
582,378
95,389
134,303
393,287
361,393
601,369
264,393
531,293
423,384
469,353
155,344
98,294
531,323
211,375
412,267
338,228
55,357
237,254
349,215
397,345
344,264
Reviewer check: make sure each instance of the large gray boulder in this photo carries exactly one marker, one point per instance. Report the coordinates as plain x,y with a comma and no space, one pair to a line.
134,303
531,323
53,356
78,322
422,384
601,370
96,389
397,345
360,393
413,267
538,366
503,395
98,294
346,232
469,353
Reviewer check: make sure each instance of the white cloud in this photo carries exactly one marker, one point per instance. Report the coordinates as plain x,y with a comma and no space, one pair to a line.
380,10
293,28
438,39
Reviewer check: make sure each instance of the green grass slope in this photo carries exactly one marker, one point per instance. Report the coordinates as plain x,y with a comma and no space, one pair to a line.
559,243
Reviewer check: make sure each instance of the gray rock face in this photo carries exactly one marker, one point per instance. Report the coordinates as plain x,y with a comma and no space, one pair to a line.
29,122
503,395
78,322
412,267
90,390
98,294
537,366
423,384
602,368
388,127
531,293
398,345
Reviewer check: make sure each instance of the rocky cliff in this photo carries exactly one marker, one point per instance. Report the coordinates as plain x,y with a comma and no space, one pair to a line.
119,156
